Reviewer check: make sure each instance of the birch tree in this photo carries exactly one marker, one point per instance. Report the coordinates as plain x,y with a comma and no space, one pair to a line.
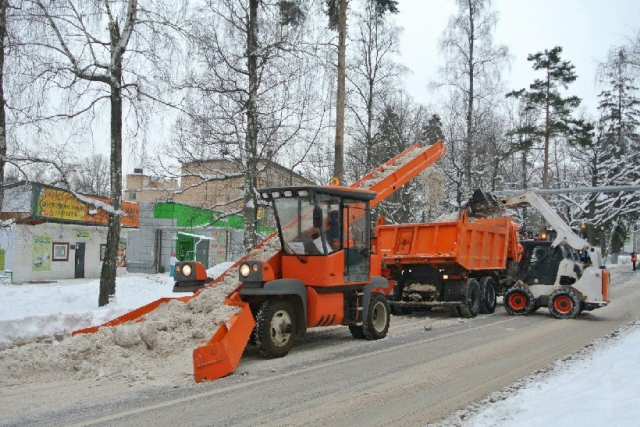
472,71
100,52
371,77
252,92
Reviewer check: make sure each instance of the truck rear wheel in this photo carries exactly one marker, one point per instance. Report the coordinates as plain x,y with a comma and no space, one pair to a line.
518,300
376,325
564,303
472,306
275,328
487,295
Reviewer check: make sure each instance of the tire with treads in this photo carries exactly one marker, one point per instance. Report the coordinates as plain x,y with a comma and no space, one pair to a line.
518,301
472,306
356,332
275,328
564,303
376,324
488,296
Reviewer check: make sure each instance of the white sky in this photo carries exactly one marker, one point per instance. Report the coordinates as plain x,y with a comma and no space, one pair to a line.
585,29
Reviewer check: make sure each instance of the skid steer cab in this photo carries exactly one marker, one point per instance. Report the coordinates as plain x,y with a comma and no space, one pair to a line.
327,272
190,276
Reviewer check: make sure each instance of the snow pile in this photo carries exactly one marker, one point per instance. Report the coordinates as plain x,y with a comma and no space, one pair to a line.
160,346
48,312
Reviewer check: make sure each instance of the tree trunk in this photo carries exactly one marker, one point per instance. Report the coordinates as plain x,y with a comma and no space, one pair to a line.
338,166
250,171
109,265
468,156
3,121
547,137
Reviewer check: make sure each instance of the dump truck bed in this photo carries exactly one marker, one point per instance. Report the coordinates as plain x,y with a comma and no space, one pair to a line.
473,244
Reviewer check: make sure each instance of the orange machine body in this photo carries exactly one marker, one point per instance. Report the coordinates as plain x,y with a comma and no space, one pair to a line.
322,276
481,244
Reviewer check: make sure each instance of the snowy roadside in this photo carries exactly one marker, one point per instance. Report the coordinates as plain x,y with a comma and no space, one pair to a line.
48,312
595,386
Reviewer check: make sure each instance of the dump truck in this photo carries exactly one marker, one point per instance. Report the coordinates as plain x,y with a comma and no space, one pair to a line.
551,273
319,269
462,265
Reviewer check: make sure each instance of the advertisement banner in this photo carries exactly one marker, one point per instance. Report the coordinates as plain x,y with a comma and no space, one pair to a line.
41,257
218,248
54,204
121,258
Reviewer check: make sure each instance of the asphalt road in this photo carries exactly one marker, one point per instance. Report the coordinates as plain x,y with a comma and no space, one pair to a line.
429,366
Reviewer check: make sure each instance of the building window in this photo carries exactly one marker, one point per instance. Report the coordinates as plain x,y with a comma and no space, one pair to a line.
60,251
132,195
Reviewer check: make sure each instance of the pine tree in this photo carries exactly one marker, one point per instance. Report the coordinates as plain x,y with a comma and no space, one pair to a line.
544,98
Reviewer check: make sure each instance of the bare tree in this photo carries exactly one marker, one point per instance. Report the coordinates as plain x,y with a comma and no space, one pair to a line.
251,93
372,73
90,47
472,72
91,176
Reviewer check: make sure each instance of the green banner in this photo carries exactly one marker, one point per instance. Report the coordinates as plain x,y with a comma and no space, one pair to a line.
41,260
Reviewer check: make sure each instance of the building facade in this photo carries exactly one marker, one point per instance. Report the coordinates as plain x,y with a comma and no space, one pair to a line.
49,234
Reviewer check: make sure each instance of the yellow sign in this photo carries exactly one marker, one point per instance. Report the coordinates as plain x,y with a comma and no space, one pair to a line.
2,259
83,234
60,205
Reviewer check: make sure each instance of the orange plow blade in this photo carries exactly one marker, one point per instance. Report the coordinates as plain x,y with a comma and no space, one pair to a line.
220,356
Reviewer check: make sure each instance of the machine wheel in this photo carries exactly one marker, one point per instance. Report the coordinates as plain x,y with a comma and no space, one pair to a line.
454,311
356,332
488,295
275,328
376,325
518,300
564,303
472,306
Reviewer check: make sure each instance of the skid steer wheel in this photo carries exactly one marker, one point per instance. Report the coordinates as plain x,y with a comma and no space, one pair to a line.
275,328
564,303
472,306
487,295
519,300
376,325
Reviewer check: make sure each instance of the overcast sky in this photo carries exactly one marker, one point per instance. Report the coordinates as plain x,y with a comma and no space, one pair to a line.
585,29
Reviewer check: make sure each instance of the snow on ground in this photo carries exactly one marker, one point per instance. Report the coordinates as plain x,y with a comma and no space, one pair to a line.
48,311
597,386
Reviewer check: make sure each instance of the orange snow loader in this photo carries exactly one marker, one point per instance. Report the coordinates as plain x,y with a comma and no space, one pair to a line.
461,265
321,268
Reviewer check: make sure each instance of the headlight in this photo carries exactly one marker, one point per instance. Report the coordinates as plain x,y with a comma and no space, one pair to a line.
245,270
186,270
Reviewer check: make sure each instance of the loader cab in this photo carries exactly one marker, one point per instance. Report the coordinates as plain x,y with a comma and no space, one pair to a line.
540,261
324,232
